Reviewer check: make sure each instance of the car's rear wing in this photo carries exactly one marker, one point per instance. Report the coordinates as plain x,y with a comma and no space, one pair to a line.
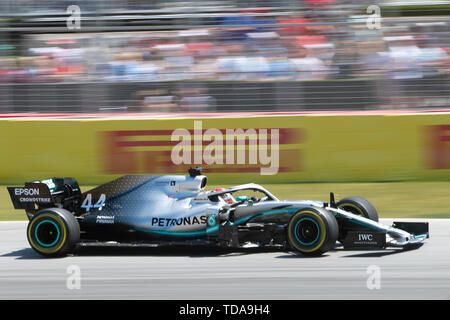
55,192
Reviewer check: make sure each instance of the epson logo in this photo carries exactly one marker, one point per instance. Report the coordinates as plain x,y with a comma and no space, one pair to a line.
26,191
365,237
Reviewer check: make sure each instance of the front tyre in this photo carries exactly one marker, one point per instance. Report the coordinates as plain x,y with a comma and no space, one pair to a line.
312,231
53,232
358,206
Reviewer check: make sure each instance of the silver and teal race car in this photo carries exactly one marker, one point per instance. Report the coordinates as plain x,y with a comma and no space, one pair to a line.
141,209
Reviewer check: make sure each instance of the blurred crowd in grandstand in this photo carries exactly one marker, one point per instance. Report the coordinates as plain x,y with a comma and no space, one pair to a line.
247,53
253,45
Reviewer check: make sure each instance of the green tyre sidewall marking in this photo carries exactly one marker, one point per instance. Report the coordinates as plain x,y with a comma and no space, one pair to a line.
296,227
36,233
312,214
62,238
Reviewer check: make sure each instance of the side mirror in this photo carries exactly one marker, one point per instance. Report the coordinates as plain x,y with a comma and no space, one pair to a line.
241,198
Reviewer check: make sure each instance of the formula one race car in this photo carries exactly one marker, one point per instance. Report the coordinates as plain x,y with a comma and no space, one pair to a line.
139,209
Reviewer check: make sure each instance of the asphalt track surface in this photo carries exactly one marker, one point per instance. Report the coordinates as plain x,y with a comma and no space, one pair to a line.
209,273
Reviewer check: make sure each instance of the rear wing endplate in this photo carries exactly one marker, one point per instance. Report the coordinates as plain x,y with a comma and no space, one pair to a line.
33,193
45,193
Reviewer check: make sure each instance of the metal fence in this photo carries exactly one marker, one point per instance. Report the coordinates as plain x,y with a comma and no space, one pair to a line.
141,56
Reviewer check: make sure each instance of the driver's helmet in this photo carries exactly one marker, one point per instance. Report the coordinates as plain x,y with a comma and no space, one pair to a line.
227,197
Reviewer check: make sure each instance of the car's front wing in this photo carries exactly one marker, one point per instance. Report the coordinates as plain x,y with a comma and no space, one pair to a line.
400,234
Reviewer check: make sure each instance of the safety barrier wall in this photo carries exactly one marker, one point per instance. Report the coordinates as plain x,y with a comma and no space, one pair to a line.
221,96
276,149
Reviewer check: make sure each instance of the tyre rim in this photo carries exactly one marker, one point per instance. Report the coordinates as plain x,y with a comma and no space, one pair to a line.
47,233
307,231
352,208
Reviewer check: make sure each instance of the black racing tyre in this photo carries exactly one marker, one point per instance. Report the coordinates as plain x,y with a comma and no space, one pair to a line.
312,231
358,206
53,232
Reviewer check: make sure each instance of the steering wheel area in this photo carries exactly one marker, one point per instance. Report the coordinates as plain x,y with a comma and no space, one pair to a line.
245,199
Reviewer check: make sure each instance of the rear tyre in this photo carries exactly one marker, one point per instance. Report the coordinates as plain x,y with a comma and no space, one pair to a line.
312,231
53,232
358,206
